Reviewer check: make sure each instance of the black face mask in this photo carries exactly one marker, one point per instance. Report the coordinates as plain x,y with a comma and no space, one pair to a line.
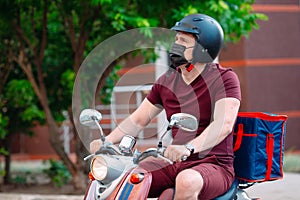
176,55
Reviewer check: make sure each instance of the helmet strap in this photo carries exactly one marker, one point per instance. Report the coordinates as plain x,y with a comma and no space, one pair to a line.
189,67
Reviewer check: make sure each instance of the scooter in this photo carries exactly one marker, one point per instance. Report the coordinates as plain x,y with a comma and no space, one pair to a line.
115,173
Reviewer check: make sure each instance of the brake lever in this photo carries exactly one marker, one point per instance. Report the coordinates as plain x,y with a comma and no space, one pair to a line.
141,156
165,159
88,157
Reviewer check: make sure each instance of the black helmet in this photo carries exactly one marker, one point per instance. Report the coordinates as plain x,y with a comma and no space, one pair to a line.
209,36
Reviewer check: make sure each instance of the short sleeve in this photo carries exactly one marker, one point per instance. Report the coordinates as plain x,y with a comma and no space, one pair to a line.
229,86
154,95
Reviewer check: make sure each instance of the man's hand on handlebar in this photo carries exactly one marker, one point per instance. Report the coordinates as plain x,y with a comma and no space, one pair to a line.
95,145
176,153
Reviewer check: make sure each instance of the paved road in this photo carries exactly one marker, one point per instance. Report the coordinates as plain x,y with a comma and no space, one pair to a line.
287,189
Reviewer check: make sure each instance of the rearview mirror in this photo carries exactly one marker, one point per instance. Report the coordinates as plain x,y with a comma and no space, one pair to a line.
89,116
184,121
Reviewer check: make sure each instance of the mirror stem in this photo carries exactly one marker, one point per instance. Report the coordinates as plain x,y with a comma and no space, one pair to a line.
161,138
101,131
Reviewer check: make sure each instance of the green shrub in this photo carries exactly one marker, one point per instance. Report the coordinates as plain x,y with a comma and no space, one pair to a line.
58,173
19,179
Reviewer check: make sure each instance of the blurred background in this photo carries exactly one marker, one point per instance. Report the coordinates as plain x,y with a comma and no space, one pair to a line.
43,44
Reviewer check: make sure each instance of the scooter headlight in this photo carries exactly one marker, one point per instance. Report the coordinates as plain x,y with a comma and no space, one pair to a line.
99,168
107,168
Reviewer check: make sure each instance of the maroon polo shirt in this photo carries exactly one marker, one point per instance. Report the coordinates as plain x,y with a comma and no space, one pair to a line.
198,98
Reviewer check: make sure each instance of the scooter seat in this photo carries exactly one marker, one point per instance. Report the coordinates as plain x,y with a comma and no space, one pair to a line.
230,193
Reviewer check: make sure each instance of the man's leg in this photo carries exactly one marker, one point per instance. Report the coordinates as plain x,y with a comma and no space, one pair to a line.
163,176
204,181
188,185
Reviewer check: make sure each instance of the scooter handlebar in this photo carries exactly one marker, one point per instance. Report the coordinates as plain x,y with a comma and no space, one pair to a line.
142,156
162,153
157,153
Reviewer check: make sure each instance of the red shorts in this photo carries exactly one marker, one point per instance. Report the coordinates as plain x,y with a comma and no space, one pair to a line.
217,177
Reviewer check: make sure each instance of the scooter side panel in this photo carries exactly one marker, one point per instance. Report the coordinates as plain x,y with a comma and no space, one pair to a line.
140,190
113,195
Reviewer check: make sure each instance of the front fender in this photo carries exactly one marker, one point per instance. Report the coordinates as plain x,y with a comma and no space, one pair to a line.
90,192
99,191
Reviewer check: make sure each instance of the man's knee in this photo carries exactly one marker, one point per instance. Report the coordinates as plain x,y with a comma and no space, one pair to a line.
188,183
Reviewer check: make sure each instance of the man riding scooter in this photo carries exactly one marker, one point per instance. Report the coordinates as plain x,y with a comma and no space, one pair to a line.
196,85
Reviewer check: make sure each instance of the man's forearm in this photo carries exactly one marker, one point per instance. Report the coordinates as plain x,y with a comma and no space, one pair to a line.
210,137
224,117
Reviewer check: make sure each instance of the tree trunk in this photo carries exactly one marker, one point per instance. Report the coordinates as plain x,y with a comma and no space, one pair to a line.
6,179
7,146
78,181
